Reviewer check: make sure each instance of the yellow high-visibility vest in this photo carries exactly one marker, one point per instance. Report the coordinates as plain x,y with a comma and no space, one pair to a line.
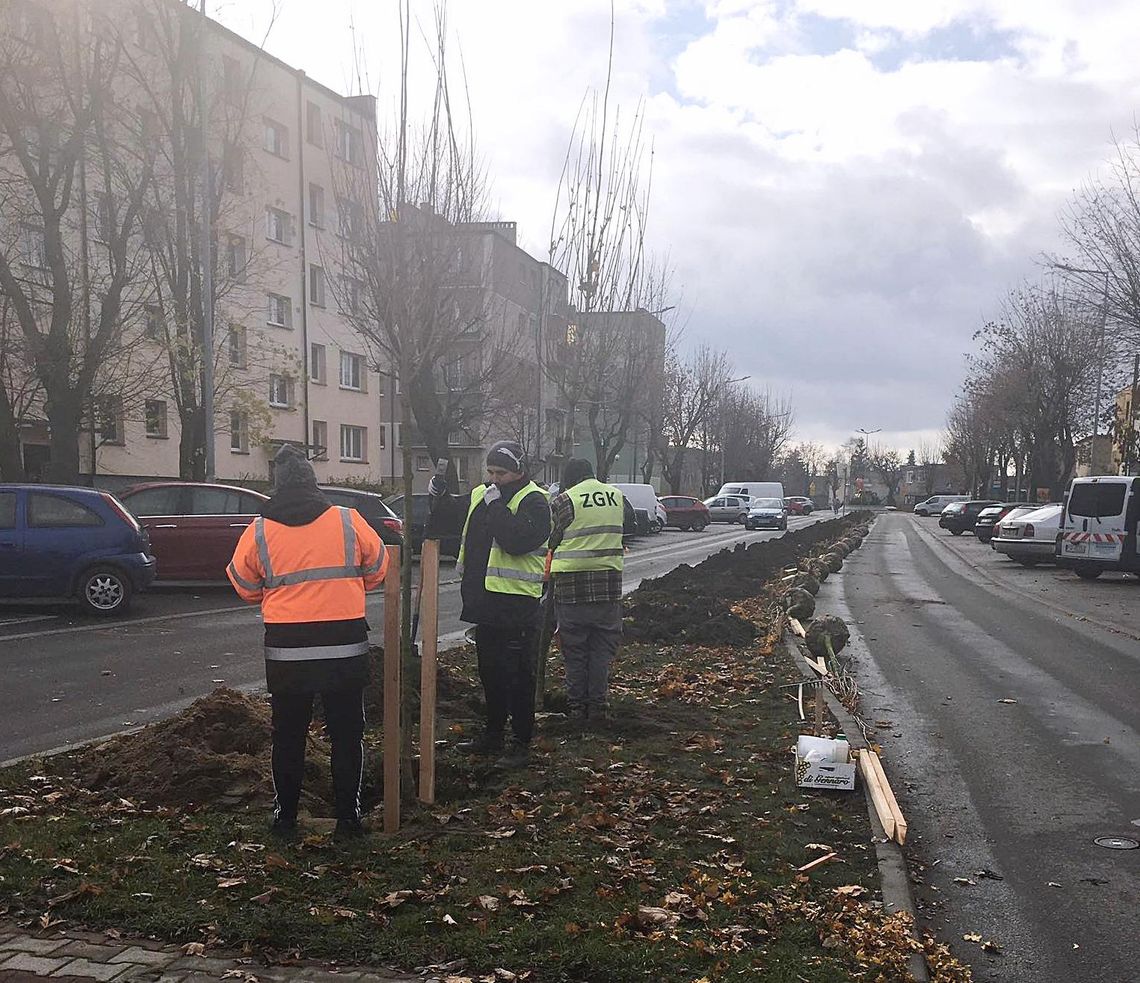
592,541
508,573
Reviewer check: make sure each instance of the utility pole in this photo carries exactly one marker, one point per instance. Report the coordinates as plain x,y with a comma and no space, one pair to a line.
1130,443
207,277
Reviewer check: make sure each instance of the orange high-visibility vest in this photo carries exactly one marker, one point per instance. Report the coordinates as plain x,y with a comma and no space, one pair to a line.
315,572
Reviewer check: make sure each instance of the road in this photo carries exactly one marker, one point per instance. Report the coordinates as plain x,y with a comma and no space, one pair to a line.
1006,701
69,679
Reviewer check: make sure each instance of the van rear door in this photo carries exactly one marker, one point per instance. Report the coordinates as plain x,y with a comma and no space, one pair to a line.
1094,520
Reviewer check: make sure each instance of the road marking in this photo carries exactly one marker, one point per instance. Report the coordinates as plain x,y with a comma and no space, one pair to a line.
127,624
27,619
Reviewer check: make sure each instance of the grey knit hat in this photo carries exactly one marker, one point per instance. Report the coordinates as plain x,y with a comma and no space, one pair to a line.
575,470
291,469
508,455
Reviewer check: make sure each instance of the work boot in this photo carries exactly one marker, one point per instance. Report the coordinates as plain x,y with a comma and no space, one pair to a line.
349,828
576,716
518,756
487,743
283,827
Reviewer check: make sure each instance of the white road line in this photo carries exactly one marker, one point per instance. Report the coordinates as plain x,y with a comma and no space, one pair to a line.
27,619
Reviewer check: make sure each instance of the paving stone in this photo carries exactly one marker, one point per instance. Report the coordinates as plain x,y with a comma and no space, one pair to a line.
97,971
146,957
30,943
79,949
200,964
19,976
33,964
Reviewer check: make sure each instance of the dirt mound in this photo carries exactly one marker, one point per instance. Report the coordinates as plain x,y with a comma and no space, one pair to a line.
216,752
692,604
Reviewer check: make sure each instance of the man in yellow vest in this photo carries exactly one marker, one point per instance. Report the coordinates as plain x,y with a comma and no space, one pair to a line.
505,526
587,570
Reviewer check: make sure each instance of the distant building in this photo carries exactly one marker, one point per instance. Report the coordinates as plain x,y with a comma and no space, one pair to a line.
920,481
1101,460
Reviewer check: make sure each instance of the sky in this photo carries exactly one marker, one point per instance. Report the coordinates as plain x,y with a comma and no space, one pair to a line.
845,189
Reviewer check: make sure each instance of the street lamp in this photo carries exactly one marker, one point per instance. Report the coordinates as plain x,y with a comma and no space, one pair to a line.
865,433
1100,356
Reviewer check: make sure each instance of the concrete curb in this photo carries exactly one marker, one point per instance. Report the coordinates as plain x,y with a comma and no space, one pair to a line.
893,875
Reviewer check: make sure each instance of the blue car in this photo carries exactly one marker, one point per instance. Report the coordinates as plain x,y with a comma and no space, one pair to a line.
63,541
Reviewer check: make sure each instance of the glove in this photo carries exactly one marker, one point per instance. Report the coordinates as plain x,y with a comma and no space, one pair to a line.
438,484
492,494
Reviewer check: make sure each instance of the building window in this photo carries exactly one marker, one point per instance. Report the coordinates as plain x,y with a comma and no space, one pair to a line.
320,448
352,294
156,417
382,437
318,369
352,371
457,438
236,258
34,247
233,167
349,143
276,138
316,206
239,432
109,415
423,462
154,327
351,218
280,392
316,285
314,125
237,346
232,80
277,225
280,311
353,442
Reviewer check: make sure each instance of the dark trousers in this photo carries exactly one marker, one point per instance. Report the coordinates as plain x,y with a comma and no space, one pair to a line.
590,635
506,667
344,722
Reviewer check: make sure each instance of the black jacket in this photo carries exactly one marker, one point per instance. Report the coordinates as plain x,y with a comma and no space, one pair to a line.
516,533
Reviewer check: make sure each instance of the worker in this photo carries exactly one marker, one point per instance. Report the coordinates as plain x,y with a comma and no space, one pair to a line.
587,569
308,564
505,525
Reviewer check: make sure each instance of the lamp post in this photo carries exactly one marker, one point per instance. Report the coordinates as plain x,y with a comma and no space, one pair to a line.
1100,353
865,433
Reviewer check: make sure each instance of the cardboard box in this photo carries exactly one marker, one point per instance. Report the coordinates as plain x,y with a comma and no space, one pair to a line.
821,763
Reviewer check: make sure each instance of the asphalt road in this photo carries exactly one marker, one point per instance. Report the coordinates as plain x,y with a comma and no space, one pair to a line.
945,637
69,679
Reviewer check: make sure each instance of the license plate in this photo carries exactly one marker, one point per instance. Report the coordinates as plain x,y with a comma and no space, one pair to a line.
1105,547
1078,548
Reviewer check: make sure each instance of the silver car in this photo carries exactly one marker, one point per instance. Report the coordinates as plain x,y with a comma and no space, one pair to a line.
728,508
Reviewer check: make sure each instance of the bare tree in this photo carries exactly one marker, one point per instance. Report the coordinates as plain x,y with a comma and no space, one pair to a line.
928,457
19,393
889,466
62,128
756,426
692,389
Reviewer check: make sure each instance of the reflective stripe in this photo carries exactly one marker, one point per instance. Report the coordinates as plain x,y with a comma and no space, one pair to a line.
349,537
241,581
316,573
374,567
573,533
571,554
347,651
262,546
507,573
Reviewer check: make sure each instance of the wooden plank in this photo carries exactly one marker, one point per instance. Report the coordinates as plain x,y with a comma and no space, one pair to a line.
878,799
892,802
819,711
819,665
429,649
392,692
797,627
817,862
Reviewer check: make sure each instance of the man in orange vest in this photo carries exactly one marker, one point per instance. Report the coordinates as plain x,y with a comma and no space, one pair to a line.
308,564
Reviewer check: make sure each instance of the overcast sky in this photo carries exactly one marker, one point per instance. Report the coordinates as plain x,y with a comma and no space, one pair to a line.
846,188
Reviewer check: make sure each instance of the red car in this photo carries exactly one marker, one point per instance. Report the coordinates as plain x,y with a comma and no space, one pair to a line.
193,527
798,505
685,513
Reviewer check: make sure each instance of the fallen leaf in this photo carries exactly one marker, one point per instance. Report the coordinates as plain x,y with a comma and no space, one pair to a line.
194,949
488,902
1007,700
224,882
851,890
448,920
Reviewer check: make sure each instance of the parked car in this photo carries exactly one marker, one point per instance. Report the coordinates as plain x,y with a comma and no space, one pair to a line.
1100,526
798,505
421,509
643,496
959,517
766,513
752,489
372,509
727,508
936,503
685,513
989,517
68,542
1031,538
193,526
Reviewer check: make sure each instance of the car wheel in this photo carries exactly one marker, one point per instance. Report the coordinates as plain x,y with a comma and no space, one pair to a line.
784,525
1028,562
699,527
955,532
1087,573
104,591
657,526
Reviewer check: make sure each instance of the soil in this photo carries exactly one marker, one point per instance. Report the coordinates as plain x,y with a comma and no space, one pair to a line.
693,604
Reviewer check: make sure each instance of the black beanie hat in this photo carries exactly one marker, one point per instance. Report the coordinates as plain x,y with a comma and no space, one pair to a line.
575,470
508,455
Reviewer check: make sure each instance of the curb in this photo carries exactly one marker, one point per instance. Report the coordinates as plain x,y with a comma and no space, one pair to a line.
894,877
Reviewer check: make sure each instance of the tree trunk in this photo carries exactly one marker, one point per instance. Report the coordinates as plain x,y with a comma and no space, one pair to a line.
409,699
11,461
65,411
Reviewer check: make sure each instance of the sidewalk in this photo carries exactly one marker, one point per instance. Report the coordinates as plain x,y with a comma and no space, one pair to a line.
79,957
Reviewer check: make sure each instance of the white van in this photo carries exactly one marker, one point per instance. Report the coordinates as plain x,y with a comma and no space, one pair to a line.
1098,526
936,503
645,497
752,489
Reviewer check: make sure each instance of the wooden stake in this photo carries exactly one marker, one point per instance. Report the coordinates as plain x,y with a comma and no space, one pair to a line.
892,802
817,862
429,626
797,627
878,799
819,711
392,692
